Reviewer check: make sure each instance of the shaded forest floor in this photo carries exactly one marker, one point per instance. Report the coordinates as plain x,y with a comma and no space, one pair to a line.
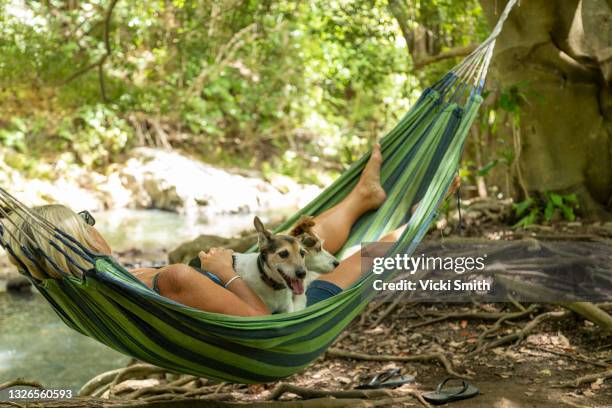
540,370
527,374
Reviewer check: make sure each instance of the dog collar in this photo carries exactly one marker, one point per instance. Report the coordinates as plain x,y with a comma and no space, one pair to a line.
264,276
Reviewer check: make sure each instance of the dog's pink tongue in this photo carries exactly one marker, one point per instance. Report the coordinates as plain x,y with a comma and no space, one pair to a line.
297,286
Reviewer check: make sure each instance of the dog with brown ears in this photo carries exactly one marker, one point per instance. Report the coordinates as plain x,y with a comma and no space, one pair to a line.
318,260
284,266
276,273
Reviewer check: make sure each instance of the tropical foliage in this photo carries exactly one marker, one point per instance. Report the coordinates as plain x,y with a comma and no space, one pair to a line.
285,84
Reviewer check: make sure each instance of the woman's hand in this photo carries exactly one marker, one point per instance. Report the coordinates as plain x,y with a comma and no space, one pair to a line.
218,261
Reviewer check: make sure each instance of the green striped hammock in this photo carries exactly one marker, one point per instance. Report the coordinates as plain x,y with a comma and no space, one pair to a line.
421,156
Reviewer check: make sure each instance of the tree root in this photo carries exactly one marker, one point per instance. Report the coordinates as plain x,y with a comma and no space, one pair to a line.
586,379
334,352
172,397
99,381
389,309
21,382
499,322
310,393
571,357
519,334
592,312
88,402
11,404
475,315
134,371
157,392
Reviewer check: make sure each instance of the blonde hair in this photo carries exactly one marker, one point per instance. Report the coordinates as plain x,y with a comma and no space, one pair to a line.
23,230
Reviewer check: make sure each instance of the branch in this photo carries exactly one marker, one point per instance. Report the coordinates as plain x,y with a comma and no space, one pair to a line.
334,352
225,53
80,72
100,62
592,312
107,20
21,382
133,371
107,46
475,315
98,381
521,333
588,379
309,393
570,356
452,53
399,12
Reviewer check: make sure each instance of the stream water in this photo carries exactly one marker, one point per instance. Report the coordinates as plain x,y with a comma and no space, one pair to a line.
35,344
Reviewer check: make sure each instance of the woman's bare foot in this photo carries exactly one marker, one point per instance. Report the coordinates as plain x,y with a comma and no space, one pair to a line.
370,192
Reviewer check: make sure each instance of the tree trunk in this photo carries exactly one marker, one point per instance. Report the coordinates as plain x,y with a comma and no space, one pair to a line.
561,50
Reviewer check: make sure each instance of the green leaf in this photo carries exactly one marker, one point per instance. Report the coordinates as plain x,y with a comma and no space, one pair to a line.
529,219
568,213
488,167
520,208
571,198
556,199
550,211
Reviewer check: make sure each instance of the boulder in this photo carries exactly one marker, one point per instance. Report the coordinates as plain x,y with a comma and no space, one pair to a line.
171,181
189,250
155,179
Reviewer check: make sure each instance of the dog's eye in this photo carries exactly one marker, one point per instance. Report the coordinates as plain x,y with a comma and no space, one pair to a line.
283,254
303,253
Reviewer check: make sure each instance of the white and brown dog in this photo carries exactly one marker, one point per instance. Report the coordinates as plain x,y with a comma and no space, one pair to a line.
318,260
276,273
284,266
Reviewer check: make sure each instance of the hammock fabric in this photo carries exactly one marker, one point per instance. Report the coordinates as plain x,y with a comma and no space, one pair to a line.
420,158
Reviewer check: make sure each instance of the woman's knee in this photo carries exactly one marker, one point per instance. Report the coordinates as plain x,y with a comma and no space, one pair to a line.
174,279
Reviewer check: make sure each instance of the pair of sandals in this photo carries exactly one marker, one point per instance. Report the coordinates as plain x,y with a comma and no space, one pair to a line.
442,394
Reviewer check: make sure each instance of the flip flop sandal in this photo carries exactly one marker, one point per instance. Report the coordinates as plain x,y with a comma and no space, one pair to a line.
387,379
443,395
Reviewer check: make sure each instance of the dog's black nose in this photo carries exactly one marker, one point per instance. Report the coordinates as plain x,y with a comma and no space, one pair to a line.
300,273
335,263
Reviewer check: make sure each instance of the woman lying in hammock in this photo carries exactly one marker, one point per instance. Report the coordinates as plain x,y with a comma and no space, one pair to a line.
185,285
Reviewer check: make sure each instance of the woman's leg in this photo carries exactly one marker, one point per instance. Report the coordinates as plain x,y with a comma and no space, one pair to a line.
351,268
334,225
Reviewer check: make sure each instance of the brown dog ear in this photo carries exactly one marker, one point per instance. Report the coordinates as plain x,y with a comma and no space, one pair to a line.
304,225
264,236
308,240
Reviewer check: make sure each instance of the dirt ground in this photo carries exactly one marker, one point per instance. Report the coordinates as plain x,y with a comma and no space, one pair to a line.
529,374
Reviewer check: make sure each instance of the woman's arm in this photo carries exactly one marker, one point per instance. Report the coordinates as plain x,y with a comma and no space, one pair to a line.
219,262
189,287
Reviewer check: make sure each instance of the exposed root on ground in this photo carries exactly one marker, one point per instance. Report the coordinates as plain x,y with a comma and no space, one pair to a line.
309,393
589,378
334,352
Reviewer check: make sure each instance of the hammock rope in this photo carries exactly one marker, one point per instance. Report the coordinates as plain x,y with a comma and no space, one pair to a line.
104,301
